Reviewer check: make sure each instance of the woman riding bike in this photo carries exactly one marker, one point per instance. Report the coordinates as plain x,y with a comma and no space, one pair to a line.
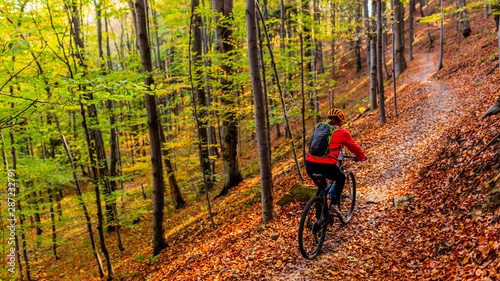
327,165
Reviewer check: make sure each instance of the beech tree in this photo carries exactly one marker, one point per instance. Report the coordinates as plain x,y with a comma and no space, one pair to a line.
380,81
259,105
373,58
229,141
399,59
159,242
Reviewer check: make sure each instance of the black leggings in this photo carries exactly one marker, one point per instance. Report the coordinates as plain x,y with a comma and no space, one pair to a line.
331,172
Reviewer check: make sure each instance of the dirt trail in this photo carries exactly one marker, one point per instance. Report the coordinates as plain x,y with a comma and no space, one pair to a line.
402,146
394,151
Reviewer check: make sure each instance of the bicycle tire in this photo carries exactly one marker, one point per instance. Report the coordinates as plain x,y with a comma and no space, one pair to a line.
312,235
348,198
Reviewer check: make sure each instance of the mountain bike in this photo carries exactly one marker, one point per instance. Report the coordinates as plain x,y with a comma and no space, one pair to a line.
315,216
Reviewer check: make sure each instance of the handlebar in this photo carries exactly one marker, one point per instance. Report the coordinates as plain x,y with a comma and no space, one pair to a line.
351,157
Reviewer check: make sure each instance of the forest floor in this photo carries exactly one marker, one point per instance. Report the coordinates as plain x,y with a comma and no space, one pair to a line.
435,151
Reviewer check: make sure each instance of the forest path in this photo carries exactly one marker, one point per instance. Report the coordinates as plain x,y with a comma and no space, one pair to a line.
402,145
394,152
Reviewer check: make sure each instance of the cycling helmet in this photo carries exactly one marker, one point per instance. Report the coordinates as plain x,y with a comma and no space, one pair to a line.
336,112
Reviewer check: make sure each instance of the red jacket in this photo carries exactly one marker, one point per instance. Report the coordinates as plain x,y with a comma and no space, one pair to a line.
339,138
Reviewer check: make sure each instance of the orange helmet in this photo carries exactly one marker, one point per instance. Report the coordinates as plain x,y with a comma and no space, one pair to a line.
336,112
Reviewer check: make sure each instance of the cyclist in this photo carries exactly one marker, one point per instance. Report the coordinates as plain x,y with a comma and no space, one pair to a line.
328,165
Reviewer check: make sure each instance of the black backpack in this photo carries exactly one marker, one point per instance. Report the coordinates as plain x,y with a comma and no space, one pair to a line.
320,140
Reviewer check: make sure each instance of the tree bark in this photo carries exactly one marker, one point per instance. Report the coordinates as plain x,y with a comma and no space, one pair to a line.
95,183
399,59
440,65
380,82
81,202
410,31
229,140
175,191
367,28
332,95
373,59
159,242
260,122
428,24
200,96
465,19
19,207
357,31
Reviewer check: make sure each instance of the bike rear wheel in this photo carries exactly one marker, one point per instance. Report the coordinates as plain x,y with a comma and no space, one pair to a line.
348,198
312,228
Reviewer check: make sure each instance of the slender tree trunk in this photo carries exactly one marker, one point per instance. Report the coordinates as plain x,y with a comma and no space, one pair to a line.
159,242
200,96
399,59
50,192
36,215
410,31
81,202
440,66
157,40
333,57
394,72
373,59
282,98
367,28
428,25
304,156
380,82
465,19
229,140
259,104
95,183
113,145
19,207
175,191
357,31
264,83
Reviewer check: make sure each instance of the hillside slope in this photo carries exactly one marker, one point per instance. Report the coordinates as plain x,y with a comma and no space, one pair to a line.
435,151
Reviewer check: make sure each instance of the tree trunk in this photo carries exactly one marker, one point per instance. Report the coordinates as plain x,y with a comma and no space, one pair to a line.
394,71
282,98
373,59
399,60
410,31
175,191
159,61
357,31
229,140
75,26
113,145
380,82
332,104
81,202
440,65
465,19
159,242
95,183
428,25
367,28
200,97
18,206
260,122
50,192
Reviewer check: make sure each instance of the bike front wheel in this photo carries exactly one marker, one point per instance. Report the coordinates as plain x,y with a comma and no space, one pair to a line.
348,198
312,228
